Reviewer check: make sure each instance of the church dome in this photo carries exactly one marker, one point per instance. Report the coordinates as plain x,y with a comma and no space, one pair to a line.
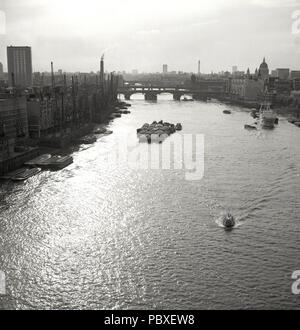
263,71
264,65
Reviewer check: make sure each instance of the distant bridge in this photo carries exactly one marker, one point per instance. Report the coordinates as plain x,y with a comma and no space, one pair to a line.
151,91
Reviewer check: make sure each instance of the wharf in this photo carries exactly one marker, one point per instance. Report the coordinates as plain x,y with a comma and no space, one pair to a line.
17,160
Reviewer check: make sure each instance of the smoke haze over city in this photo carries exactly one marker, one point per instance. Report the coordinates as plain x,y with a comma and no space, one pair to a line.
139,35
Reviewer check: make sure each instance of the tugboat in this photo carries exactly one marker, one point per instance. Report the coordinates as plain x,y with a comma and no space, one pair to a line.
267,118
228,221
178,127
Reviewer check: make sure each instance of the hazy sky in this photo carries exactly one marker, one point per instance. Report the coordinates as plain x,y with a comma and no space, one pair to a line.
143,35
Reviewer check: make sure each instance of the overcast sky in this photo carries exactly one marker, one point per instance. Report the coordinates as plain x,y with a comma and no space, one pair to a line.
143,35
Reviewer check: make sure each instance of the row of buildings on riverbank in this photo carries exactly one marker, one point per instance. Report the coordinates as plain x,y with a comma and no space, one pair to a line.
49,112
281,85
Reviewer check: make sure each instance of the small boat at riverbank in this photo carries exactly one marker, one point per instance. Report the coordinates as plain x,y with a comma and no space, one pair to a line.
187,100
38,160
250,127
297,123
89,139
56,163
254,113
100,131
22,174
50,162
113,116
227,112
26,174
294,121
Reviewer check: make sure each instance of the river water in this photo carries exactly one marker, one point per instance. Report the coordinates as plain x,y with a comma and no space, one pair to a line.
101,234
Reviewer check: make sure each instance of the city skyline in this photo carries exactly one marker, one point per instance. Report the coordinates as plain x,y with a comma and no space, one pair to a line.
205,30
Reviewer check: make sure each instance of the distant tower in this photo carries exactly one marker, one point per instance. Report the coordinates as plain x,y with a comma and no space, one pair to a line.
1,70
234,69
19,62
52,76
102,70
165,68
199,67
248,73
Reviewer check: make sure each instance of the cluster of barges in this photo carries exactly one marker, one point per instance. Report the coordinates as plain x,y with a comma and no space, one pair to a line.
157,131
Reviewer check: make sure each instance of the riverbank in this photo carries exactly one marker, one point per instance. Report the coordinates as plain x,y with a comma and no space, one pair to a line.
288,111
245,104
58,143
17,159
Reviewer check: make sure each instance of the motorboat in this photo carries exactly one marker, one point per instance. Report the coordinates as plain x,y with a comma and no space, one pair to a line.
227,112
250,127
228,221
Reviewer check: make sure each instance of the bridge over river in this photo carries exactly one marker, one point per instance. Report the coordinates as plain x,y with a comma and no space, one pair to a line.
151,91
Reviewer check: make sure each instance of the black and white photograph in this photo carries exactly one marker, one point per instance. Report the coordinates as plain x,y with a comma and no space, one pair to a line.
149,157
